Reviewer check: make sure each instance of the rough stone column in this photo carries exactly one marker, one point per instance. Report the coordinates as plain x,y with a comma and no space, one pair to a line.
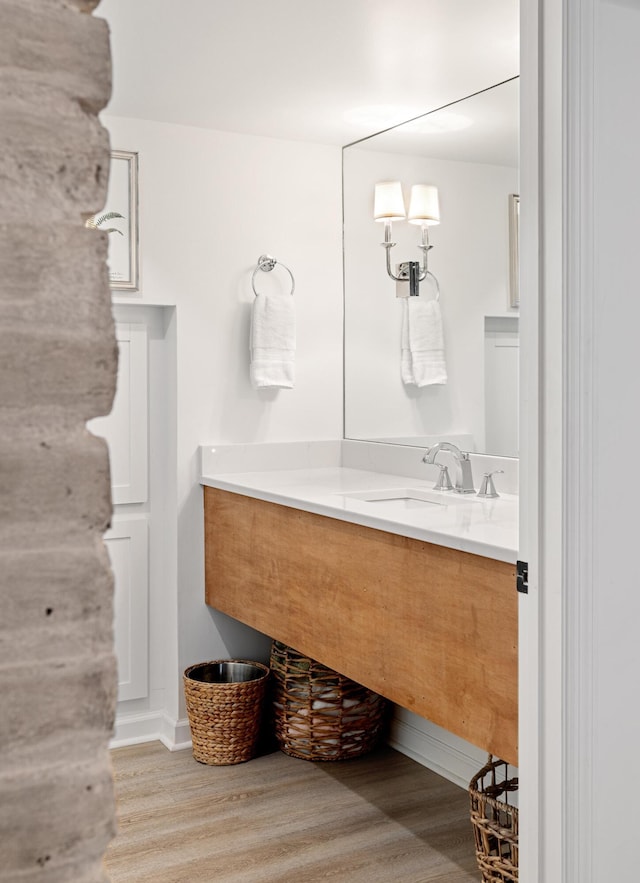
57,369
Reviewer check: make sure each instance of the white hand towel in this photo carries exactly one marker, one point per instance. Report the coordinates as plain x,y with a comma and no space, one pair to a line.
422,354
273,341
406,362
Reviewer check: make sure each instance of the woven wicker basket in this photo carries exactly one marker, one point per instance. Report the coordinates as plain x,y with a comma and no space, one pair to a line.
225,700
495,822
318,713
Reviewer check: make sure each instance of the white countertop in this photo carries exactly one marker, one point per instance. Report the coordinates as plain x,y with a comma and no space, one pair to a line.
487,527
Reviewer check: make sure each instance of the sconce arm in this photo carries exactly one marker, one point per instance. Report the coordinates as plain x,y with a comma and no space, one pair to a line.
388,246
413,272
425,247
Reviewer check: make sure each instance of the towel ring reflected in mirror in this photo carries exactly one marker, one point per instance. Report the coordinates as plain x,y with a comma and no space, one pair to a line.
435,282
404,276
266,263
433,279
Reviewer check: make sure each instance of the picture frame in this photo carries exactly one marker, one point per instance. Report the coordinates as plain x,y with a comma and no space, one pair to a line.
119,219
514,250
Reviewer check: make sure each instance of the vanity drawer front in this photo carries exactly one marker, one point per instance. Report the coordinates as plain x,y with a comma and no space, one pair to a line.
431,628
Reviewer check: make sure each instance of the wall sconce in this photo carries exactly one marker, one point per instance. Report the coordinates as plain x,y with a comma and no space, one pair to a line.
424,210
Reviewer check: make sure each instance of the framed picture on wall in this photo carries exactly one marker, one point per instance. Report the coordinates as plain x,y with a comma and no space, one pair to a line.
514,236
119,219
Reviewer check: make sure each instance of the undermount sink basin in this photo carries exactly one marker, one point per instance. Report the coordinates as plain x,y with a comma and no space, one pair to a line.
409,498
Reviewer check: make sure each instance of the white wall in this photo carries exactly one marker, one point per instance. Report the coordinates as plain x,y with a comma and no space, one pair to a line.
210,204
470,257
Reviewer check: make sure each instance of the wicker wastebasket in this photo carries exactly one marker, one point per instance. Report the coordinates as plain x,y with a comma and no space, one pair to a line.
225,700
495,822
320,714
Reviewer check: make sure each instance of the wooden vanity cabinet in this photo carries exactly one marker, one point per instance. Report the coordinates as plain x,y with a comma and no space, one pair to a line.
431,628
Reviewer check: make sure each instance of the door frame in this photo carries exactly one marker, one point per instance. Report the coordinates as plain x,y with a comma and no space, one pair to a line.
542,431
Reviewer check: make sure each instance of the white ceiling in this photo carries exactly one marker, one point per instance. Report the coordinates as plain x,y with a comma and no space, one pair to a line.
304,70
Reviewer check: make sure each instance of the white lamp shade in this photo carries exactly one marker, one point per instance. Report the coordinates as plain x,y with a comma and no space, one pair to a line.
389,202
424,208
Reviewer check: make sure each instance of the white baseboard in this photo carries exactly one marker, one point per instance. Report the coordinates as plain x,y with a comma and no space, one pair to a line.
176,735
151,726
435,748
440,751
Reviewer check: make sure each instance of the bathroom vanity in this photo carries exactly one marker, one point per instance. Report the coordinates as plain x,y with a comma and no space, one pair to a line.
408,591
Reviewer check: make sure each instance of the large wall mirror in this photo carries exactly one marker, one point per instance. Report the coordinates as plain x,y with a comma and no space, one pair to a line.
469,151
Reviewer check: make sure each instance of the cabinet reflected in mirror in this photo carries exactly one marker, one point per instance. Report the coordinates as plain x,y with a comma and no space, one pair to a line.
469,151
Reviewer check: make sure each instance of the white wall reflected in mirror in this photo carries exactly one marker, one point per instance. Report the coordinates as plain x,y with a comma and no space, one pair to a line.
475,168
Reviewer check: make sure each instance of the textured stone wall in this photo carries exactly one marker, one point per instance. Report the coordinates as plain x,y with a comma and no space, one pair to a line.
57,369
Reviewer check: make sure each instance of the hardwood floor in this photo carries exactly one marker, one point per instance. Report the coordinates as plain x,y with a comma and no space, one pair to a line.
378,819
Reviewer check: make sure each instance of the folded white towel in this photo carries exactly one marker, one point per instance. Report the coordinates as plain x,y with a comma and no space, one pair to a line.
273,341
422,347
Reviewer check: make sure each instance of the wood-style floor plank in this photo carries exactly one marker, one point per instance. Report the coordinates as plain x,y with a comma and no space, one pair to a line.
378,819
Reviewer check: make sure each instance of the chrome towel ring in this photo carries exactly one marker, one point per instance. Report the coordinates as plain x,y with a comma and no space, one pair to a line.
266,263
435,282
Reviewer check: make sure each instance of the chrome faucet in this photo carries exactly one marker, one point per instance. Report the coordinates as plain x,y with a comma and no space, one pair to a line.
487,487
464,475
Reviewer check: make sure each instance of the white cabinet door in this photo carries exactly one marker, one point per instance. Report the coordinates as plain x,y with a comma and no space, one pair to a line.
502,378
127,543
126,432
126,427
